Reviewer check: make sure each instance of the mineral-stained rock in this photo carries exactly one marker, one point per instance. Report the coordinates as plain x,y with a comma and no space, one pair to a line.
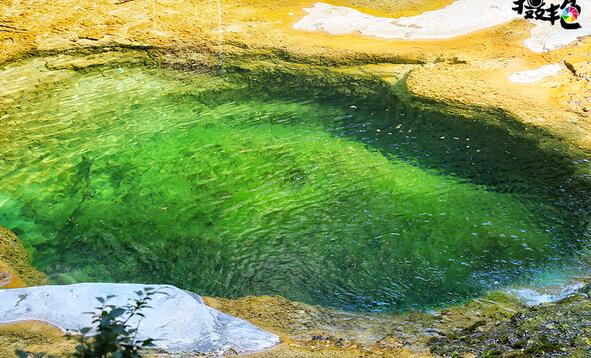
33,337
14,262
177,319
5,278
8,279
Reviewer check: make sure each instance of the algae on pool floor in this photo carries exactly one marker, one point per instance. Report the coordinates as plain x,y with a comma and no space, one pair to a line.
133,175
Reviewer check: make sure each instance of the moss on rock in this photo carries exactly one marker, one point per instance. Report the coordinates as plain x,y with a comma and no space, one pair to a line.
549,330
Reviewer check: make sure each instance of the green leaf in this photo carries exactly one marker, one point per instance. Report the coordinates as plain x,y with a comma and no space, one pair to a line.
117,312
148,343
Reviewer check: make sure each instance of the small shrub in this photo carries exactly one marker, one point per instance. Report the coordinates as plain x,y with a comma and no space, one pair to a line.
115,337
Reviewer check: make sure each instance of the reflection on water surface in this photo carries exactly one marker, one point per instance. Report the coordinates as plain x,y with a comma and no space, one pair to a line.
226,190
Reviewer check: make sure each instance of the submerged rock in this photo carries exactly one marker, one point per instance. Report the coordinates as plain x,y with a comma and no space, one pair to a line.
178,320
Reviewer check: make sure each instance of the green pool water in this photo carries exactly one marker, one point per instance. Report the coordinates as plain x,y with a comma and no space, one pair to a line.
228,189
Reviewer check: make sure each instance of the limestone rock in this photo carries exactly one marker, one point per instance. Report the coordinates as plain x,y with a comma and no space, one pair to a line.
177,319
443,23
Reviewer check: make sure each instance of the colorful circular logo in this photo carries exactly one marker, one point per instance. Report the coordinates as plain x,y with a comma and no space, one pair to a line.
570,14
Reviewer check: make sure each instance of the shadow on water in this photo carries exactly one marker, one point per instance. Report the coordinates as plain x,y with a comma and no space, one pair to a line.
493,150
229,186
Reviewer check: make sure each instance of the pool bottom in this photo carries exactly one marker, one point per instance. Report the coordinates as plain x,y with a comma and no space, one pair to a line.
137,176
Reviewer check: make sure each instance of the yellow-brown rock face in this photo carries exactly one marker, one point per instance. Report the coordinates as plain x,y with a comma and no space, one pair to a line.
15,268
465,72
468,70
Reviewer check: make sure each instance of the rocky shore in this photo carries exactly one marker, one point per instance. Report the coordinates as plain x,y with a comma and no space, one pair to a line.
468,70
469,74
500,323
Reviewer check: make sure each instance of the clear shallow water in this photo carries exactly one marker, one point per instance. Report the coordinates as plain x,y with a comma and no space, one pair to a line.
207,184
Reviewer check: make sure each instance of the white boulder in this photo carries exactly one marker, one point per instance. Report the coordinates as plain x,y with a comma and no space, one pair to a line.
548,37
458,18
177,319
461,17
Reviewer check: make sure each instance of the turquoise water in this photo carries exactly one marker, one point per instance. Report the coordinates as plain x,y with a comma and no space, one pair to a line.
226,189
